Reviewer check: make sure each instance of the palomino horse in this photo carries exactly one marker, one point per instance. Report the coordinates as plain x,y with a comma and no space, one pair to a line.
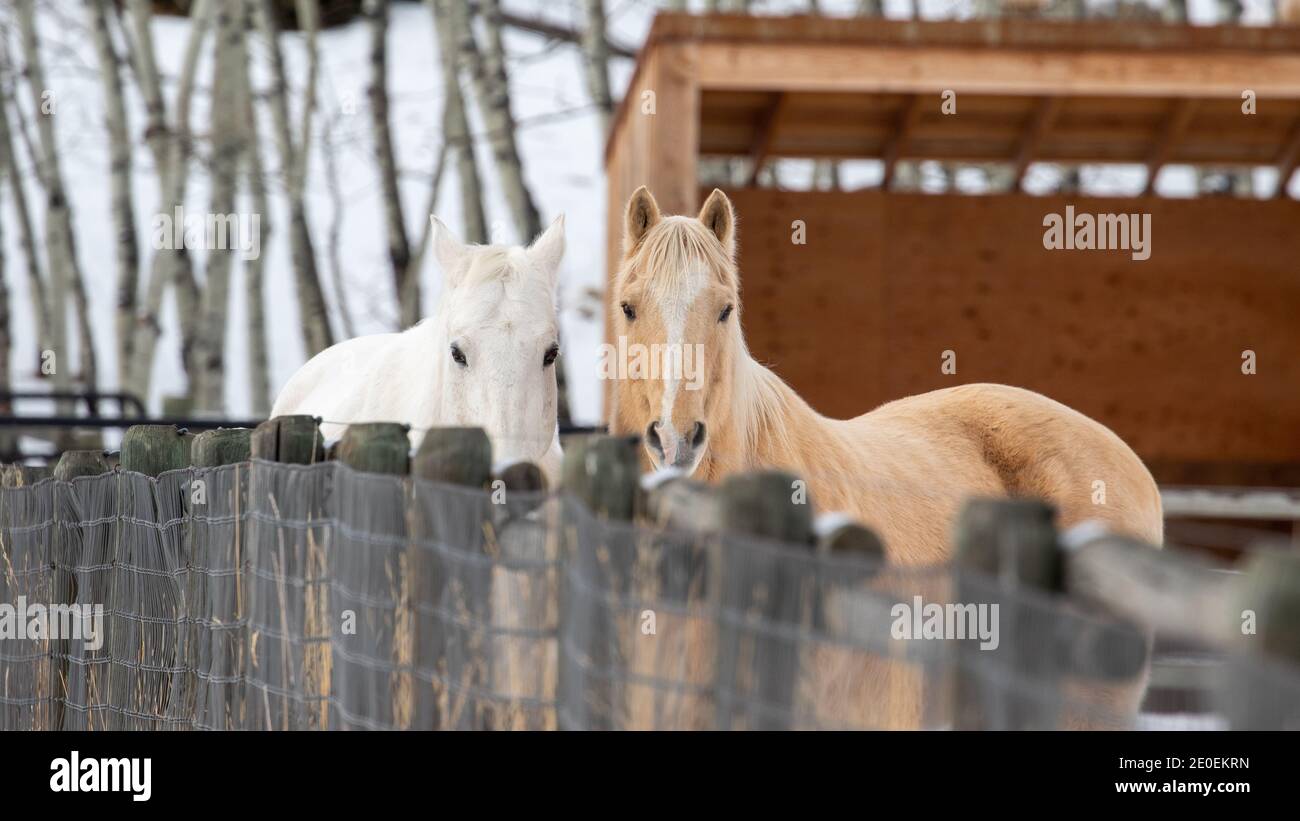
484,358
905,468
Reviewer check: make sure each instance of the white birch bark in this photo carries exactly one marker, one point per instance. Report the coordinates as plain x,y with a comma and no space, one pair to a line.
61,250
170,147
455,125
313,314
595,50
406,281
226,116
259,373
121,202
36,285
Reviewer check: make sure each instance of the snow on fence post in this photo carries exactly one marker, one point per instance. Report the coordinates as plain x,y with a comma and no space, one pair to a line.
602,472
761,586
449,578
1010,543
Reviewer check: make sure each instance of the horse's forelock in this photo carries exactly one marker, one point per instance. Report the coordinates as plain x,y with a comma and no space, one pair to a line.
673,250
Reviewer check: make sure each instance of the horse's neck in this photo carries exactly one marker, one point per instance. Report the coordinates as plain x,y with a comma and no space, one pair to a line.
769,425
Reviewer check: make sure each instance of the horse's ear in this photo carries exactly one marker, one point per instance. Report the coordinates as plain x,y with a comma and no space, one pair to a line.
449,250
718,216
548,249
642,215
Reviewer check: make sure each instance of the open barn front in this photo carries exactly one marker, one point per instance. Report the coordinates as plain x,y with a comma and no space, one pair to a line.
859,298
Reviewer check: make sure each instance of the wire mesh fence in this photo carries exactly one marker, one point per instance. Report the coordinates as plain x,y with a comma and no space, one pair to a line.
273,596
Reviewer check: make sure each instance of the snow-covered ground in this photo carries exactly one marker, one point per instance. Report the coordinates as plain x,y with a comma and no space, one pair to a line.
558,137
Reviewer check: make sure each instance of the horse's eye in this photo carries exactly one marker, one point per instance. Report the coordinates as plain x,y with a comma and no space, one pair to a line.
726,312
549,358
458,356
629,311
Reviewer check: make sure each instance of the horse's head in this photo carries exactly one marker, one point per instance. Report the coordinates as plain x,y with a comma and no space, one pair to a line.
676,311
497,338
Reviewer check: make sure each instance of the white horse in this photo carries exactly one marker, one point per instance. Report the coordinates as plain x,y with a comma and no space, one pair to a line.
485,358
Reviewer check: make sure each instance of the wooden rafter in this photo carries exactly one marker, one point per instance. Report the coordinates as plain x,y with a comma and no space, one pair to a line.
1045,111
765,135
1163,149
907,120
1288,159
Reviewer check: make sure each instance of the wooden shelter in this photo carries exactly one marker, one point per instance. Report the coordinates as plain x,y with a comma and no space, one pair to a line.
886,282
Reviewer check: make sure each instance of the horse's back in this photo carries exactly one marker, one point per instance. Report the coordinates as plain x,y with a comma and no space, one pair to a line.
1036,446
339,383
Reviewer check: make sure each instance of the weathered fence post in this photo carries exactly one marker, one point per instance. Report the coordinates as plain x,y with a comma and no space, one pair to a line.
376,447
450,577
74,463
213,697
602,473
673,570
764,592
155,449
292,440
223,446
371,684
1005,549
1262,678
285,580
67,546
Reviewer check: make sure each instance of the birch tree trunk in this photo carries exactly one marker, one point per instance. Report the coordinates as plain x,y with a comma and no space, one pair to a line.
7,449
313,314
595,51
492,88
170,147
226,115
455,125
487,70
61,249
26,236
259,378
337,205
121,203
406,282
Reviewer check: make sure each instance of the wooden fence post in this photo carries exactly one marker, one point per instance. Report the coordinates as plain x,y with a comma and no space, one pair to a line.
376,447
223,446
67,548
292,440
74,463
1005,548
215,693
1262,679
286,674
761,586
155,449
602,473
445,522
